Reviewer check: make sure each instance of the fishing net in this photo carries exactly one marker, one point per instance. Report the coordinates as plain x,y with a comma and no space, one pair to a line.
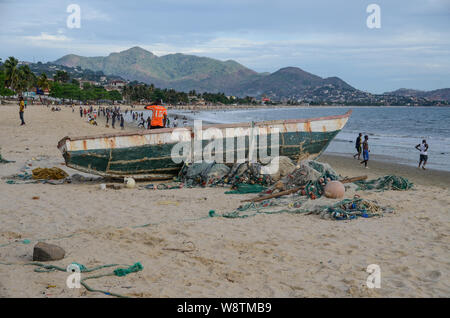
346,209
218,174
243,188
54,173
202,174
389,182
311,175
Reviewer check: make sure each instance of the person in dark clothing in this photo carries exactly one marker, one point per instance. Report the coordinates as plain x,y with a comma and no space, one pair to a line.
358,147
113,120
121,121
81,112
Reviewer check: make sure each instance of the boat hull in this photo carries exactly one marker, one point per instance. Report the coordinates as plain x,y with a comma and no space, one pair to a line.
151,155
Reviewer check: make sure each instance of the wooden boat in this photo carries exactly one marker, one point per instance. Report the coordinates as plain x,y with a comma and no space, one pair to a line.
148,154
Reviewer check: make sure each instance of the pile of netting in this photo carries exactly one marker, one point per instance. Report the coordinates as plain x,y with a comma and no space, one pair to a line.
54,173
311,175
18,178
390,182
218,174
346,209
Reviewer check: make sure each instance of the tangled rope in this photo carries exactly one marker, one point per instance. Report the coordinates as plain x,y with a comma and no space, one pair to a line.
389,182
119,272
346,209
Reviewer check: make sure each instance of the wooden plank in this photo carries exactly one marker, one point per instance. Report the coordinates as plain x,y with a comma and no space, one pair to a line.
275,195
349,180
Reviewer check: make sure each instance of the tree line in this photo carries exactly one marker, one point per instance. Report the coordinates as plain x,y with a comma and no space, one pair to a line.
16,79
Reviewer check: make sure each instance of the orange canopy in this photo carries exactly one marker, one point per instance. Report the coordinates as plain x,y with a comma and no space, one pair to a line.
158,114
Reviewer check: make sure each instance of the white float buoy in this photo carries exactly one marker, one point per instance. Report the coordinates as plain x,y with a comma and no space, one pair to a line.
129,183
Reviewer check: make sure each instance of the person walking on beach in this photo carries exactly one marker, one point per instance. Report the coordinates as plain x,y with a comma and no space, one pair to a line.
21,110
358,146
113,120
121,121
365,148
423,148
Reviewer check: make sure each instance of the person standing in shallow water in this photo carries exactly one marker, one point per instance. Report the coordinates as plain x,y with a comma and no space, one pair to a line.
358,146
365,149
423,148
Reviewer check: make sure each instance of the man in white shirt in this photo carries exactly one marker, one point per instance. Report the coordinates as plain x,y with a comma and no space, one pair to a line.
423,148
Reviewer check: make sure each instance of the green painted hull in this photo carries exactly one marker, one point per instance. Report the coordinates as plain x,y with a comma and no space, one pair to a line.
148,154
156,159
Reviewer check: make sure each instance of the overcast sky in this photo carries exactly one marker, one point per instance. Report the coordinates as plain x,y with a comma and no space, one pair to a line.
324,37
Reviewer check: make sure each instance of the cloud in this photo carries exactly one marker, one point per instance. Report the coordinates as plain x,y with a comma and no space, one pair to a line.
46,37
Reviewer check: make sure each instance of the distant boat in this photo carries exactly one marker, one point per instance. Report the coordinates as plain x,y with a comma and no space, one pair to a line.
148,154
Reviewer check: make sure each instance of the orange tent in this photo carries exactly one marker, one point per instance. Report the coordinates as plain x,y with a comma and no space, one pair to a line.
158,114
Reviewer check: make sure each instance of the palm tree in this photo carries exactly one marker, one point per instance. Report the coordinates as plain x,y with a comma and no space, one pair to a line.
25,79
11,72
42,82
61,76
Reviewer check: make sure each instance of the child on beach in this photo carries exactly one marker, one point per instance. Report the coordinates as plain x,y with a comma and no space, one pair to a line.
365,147
423,148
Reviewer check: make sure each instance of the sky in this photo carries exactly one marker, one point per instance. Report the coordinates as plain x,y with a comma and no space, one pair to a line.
410,49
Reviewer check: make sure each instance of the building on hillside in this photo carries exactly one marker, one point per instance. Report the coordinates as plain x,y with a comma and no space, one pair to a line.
117,85
94,83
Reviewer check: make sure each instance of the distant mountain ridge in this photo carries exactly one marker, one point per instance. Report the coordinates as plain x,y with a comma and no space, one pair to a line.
178,71
188,72
288,82
434,95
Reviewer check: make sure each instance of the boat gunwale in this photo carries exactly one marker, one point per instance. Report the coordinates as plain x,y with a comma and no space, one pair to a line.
233,125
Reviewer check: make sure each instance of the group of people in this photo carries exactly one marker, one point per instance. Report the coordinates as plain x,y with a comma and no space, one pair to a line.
158,119
110,113
363,146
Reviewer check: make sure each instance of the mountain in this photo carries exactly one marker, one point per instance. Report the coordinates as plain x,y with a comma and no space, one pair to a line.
178,71
290,82
189,72
434,95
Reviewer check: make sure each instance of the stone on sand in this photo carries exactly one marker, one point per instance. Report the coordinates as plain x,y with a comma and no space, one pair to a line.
47,252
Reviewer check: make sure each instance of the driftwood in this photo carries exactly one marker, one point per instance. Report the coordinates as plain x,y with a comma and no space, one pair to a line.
275,195
348,180
286,192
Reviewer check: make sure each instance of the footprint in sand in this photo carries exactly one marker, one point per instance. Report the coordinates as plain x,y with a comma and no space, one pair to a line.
433,275
398,284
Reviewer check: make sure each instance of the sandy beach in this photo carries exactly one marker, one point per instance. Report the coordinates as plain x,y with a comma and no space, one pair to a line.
185,253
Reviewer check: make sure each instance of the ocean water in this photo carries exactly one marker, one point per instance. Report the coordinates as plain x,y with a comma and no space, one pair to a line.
393,131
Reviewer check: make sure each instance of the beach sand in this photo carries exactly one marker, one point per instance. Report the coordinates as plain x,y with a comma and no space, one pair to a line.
283,255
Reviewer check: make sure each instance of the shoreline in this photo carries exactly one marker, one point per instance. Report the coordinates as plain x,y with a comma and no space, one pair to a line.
348,165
